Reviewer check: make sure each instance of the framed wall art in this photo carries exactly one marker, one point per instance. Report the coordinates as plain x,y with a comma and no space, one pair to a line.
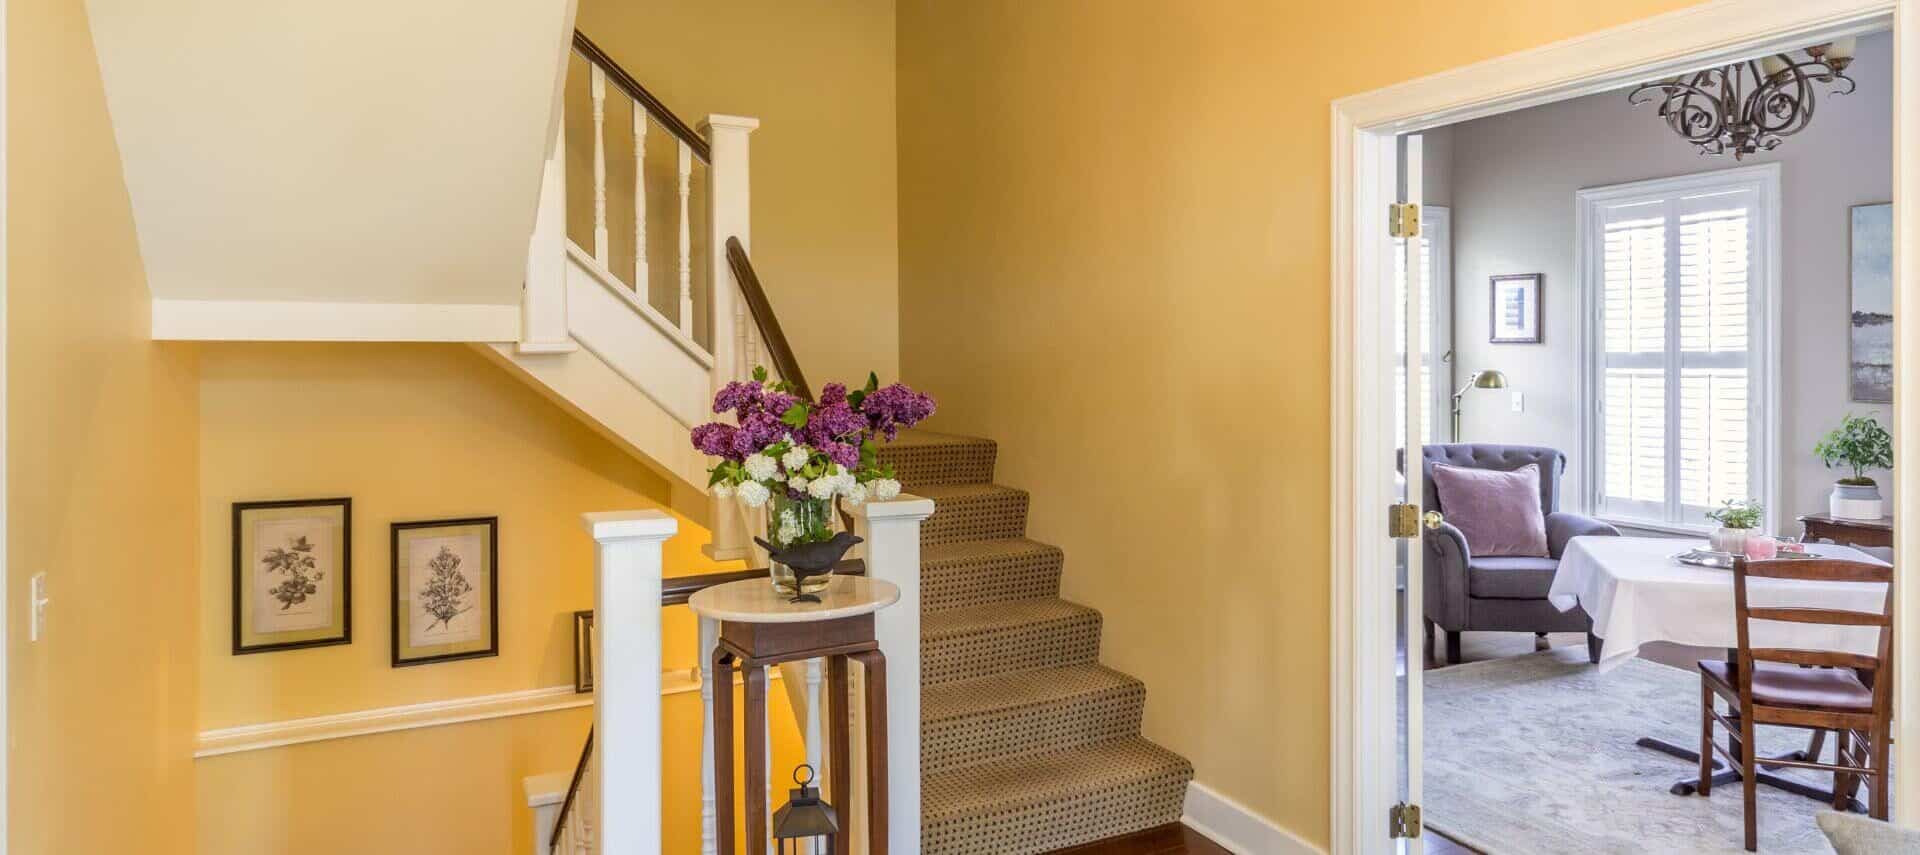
292,574
1870,325
446,590
1513,309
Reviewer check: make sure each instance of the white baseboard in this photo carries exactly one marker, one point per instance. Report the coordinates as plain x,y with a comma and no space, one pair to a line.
1237,827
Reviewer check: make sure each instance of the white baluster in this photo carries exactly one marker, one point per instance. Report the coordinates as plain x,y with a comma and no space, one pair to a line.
709,639
891,530
639,199
814,731
686,241
599,165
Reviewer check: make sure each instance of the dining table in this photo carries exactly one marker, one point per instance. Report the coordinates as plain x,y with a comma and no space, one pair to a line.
1638,592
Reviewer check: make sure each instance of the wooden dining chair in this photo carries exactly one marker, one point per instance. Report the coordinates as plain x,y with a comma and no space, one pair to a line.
1816,690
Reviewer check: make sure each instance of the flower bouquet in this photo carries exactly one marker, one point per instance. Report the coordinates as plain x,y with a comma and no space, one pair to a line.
798,458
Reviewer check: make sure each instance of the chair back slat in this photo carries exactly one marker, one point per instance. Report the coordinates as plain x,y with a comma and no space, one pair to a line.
1814,658
1831,617
1820,570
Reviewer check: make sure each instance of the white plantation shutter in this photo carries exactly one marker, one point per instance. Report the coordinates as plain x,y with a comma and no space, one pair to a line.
1676,428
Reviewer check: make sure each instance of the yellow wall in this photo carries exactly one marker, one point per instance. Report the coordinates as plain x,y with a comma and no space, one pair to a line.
411,432
100,478
820,78
1114,260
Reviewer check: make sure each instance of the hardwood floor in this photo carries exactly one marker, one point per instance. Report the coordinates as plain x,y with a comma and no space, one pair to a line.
1174,839
1440,844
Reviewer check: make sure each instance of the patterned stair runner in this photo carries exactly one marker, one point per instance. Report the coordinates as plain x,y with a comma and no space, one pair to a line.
1027,742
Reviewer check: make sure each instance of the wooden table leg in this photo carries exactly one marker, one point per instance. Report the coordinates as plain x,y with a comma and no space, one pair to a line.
839,751
876,716
722,728
755,798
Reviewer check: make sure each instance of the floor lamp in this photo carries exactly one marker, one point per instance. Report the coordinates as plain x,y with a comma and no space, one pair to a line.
1488,379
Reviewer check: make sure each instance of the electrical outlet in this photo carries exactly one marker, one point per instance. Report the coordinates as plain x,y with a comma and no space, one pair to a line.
37,603
1519,403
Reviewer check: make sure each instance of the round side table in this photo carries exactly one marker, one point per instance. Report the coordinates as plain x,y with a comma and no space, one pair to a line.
760,627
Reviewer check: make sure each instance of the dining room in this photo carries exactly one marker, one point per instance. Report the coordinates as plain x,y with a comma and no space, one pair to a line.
1658,552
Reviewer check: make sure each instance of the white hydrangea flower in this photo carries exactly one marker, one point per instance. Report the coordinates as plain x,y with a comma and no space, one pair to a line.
797,483
885,489
753,494
796,457
788,533
822,488
856,495
787,518
847,482
760,467
723,490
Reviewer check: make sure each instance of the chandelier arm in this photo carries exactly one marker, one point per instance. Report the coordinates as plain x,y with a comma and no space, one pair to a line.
1696,123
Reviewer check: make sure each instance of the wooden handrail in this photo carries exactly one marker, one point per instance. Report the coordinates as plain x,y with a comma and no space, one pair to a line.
654,107
573,790
784,362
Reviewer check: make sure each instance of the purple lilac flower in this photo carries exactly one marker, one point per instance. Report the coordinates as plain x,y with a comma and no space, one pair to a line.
778,403
717,440
758,431
738,396
833,393
891,408
844,453
832,422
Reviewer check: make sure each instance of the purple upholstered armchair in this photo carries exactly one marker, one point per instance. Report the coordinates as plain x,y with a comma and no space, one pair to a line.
1502,594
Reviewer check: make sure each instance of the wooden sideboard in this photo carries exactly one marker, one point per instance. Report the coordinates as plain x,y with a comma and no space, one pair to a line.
1857,532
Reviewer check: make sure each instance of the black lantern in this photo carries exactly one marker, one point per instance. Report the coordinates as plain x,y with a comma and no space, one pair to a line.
804,817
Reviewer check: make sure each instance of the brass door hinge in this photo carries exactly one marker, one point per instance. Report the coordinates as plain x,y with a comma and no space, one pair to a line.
1403,220
1403,521
1404,820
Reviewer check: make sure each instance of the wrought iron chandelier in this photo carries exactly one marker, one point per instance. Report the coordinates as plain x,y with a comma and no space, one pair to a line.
1749,106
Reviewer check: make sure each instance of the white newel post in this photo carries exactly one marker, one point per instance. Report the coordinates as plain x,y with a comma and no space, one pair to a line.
728,208
543,298
892,533
626,656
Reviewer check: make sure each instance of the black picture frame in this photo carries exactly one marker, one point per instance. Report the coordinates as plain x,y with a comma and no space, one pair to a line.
1534,282
345,569
492,599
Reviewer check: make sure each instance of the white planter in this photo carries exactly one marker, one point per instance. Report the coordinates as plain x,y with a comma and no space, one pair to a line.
1851,502
1732,540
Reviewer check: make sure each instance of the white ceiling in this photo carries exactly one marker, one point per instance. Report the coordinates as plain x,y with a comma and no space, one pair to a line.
348,150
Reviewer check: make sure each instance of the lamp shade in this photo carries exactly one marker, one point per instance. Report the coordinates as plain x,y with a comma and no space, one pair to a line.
1490,379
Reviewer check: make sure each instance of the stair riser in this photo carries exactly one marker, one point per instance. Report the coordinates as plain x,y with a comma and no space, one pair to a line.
1047,644
993,516
967,462
1109,812
956,583
1009,733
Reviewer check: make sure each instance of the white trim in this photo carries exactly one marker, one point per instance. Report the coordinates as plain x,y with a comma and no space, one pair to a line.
269,320
1362,711
1236,827
1764,407
6,720
601,274
297,731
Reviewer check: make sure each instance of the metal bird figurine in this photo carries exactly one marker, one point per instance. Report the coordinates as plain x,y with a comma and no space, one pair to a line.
810,559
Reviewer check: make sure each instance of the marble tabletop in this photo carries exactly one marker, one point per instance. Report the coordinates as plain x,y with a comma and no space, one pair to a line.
755,601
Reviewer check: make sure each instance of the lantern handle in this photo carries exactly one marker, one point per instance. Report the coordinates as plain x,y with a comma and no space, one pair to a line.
809,772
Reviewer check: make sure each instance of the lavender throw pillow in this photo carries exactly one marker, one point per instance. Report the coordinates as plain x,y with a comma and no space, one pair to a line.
1499,512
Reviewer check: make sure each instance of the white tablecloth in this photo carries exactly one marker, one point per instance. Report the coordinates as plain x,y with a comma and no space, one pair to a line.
1637,593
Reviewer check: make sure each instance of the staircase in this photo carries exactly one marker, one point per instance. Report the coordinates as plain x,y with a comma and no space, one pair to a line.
1027,742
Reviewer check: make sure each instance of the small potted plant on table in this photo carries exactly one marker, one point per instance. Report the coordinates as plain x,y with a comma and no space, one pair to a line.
1859,444
1737,521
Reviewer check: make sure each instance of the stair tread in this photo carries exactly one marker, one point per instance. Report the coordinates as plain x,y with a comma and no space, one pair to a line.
991,616
921,436
966,550
1019,689
1067,774
952,492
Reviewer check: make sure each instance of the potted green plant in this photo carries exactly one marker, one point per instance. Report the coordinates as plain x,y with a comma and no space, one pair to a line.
1737,521
1859,444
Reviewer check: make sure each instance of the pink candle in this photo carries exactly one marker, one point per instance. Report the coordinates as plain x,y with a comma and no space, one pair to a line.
1761,547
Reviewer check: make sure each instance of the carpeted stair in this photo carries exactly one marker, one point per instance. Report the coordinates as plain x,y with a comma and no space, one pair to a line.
1027,743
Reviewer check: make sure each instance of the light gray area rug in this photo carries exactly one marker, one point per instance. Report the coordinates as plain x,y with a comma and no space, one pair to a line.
1536,754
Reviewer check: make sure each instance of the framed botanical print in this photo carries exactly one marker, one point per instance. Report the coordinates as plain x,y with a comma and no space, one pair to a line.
446,590
583,651
1513,309
292,574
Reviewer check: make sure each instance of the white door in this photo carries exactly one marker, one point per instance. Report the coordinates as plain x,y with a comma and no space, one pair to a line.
1414,380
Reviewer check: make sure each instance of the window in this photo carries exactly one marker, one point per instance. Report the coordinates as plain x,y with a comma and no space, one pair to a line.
1436,301
1676,281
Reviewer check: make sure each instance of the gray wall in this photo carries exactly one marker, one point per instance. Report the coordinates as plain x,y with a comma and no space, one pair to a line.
1512,184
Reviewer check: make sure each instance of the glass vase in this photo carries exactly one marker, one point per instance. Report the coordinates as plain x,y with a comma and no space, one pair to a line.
792,522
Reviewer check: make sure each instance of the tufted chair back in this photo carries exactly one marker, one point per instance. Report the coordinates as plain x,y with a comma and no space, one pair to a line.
1505,458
